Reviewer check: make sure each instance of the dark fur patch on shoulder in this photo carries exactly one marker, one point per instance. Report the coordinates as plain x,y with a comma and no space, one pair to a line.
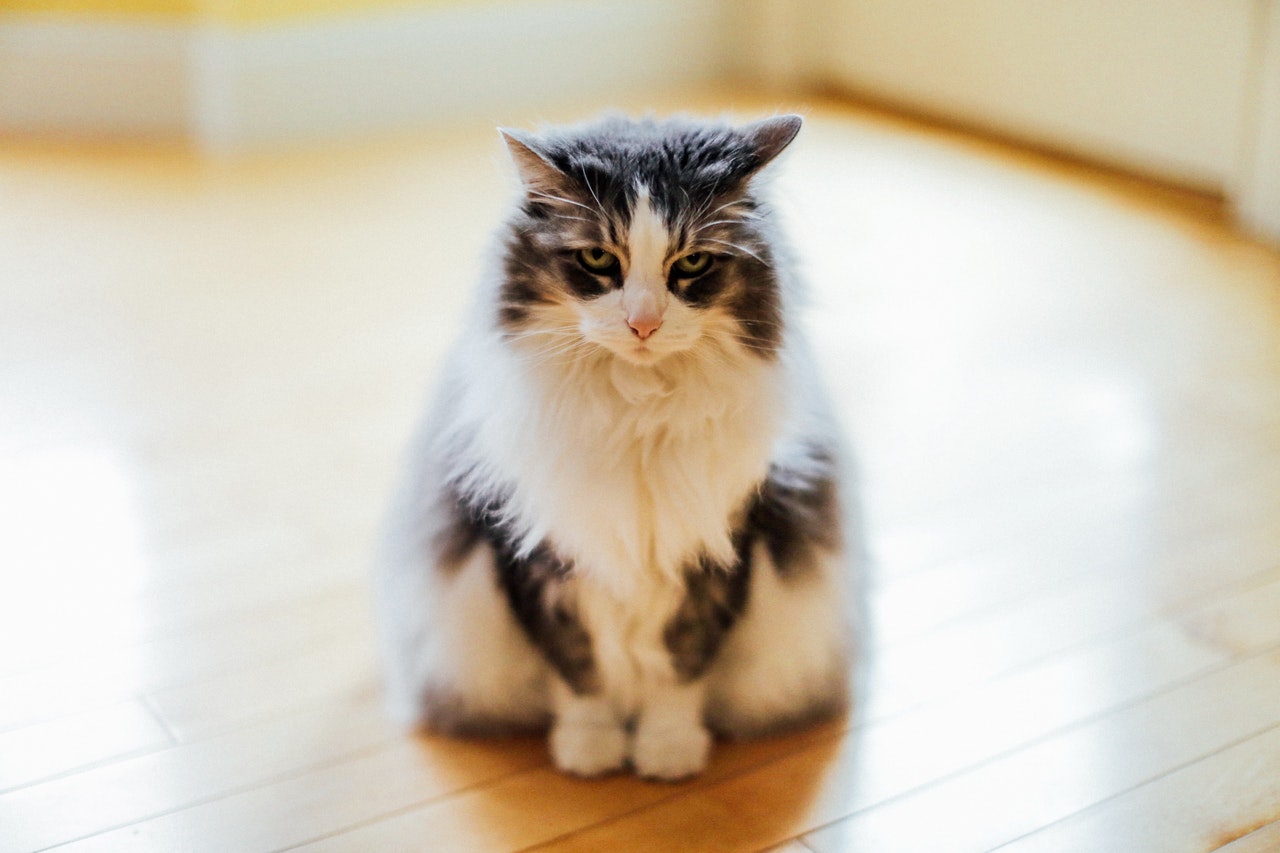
534,588
795,510
537,589
715,597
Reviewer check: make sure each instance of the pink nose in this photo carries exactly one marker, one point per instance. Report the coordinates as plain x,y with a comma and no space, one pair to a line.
642,327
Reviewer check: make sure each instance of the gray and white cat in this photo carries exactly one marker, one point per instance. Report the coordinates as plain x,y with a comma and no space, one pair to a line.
622,515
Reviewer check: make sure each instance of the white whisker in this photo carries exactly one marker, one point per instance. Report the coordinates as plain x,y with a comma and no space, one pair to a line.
586,180
726,206
551,197
743,249
705,225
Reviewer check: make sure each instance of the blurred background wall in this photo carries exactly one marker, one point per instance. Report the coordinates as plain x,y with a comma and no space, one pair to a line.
1186,91
235,74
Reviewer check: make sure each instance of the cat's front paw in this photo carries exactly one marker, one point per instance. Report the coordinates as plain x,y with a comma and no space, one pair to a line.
670,753
588,749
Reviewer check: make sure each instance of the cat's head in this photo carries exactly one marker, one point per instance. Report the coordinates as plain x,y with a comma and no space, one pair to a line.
643,239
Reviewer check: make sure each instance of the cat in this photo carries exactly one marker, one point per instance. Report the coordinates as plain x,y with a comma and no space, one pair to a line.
622,516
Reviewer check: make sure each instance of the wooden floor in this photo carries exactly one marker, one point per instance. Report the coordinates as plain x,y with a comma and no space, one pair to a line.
1064,386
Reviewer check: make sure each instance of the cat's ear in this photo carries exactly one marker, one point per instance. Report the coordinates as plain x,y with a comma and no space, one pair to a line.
769,137
535,169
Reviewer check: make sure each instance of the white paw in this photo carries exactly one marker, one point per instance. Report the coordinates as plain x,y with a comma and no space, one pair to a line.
670,753
585,749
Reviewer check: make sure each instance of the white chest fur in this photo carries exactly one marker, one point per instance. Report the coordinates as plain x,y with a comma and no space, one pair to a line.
627,637
629,471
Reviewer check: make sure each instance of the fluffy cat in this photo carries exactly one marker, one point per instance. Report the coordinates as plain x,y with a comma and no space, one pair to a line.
622,519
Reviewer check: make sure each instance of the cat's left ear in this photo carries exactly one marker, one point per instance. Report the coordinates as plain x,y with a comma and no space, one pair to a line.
536,170
769,137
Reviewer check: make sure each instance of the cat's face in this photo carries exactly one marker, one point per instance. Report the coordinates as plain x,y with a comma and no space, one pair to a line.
642,240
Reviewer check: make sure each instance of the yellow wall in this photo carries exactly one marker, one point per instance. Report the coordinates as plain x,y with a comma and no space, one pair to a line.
243,12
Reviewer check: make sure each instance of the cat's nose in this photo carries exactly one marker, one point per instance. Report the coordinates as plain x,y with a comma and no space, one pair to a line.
642,306
644,325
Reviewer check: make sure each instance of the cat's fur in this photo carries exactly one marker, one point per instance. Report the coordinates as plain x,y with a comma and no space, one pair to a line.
622,518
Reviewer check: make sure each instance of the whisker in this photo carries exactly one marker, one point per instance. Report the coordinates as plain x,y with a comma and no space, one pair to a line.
551,197
551,349
573,218
559,342
586,180
743,249
557,356
560,331
705,225
725,206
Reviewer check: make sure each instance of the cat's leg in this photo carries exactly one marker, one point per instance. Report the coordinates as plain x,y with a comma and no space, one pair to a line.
457,661
788,659
671,742
587,737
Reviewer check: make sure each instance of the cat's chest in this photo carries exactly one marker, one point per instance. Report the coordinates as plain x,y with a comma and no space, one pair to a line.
646,484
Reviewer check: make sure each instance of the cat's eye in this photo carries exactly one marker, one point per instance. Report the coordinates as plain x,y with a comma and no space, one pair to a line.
597,260
695,263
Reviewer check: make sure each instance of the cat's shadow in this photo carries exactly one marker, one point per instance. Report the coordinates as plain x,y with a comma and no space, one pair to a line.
507,796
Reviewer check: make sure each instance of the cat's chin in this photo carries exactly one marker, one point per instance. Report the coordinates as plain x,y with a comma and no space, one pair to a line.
641,355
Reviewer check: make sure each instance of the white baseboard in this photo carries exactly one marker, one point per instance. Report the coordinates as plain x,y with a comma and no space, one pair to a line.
234,89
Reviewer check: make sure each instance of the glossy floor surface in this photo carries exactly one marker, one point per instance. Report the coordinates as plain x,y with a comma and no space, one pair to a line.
1064,387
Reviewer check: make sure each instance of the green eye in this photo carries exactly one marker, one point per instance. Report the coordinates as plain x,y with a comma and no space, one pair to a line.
597,260
693,264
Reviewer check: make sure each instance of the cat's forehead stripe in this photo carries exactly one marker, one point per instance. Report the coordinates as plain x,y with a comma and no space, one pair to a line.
647,238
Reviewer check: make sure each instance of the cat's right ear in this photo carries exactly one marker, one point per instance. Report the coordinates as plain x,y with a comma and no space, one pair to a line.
536,171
